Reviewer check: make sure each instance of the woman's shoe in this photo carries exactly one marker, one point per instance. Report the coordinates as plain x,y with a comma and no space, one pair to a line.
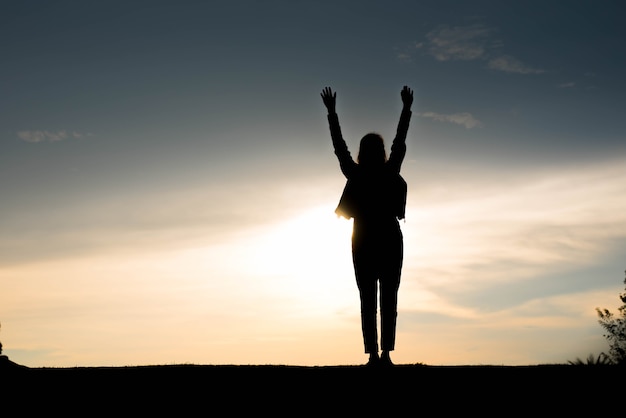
374,360
385,360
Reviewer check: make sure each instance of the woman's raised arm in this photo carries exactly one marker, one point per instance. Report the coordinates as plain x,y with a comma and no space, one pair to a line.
346,163
398,147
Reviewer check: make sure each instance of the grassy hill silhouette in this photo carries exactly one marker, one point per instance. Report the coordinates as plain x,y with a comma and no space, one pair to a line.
280,390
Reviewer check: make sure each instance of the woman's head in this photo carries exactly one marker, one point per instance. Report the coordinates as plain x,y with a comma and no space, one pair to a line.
372,150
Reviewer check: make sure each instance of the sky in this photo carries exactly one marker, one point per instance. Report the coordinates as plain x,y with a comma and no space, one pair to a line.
168,184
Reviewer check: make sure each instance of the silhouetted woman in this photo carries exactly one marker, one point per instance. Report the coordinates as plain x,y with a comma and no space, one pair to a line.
375,196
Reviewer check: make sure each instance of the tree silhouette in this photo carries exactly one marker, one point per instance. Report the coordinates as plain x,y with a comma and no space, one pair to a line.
615,326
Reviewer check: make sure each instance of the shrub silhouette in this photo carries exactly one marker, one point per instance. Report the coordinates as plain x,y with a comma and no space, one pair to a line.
601,360
615,327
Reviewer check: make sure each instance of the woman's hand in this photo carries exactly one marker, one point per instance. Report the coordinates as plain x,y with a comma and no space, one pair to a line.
329,98
407,97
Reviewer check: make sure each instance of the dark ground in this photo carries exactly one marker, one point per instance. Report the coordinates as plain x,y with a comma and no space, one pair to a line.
235,390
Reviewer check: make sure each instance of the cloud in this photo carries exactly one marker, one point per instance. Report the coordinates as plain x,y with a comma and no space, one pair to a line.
403,56
465,119
47,136
458,43
566,85
509,258
469,43
509,64
498,231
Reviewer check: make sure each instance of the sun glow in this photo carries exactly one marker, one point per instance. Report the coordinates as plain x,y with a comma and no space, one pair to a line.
308,257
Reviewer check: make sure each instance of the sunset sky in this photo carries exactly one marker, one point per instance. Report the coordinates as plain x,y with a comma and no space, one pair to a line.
168,184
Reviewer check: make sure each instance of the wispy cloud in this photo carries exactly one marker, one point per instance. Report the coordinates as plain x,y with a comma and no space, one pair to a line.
521,229
464,119
509,64
533,254
48,136
458,43
469,43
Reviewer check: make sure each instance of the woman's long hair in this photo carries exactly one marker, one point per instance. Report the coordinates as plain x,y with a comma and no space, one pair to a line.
372,151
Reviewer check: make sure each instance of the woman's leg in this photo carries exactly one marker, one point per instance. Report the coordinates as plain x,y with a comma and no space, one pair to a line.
366,280
367,284
388,311
389,285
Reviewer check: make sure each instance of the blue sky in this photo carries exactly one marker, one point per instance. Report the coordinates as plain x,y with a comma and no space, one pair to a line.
169,163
